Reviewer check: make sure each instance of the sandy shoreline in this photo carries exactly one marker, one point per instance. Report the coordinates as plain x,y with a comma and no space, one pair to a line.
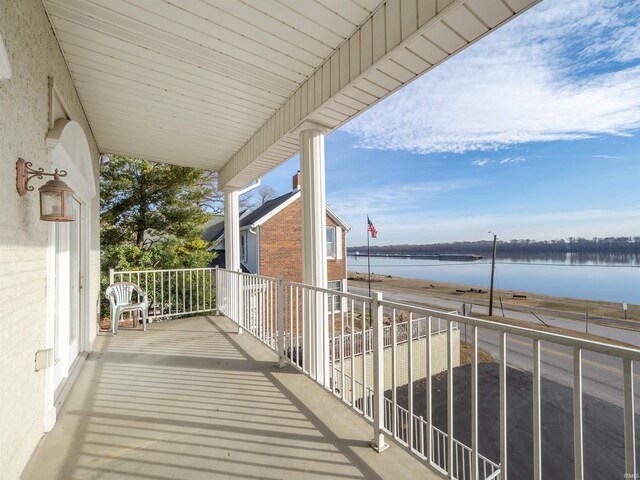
471,294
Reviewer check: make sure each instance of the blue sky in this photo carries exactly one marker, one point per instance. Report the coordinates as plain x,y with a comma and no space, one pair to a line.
533,132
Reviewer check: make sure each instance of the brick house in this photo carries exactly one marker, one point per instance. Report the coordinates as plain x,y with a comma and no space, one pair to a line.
271,240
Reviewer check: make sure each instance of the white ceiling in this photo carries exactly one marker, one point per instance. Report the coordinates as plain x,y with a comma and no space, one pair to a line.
190,81
220,84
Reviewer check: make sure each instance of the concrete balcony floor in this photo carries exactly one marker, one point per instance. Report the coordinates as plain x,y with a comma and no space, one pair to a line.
191,399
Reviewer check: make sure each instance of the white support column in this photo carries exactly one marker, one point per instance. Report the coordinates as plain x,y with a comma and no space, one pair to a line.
314,246
232,250
377,317
231,229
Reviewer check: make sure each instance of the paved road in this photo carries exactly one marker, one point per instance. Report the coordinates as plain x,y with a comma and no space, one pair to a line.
602,374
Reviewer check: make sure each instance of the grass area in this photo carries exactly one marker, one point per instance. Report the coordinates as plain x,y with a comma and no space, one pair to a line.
465,354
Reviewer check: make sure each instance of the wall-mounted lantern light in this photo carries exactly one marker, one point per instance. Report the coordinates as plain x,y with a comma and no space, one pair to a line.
55,195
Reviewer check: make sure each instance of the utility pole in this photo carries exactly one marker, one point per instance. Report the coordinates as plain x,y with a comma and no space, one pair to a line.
586,321
493,271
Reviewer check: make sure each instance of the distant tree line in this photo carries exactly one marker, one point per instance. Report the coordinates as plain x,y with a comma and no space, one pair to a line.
483,247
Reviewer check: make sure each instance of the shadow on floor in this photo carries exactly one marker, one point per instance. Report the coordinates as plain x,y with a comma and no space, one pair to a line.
191,399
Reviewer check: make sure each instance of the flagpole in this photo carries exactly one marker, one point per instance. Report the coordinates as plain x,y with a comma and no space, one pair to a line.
368,257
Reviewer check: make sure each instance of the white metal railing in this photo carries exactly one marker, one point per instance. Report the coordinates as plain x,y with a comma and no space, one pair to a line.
250,301
439,439
175,292
419,326
283,315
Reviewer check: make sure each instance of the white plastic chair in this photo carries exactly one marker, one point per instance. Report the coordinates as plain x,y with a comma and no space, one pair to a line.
120,295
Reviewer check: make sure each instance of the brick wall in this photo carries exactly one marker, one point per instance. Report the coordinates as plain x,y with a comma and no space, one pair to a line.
281,250
281,247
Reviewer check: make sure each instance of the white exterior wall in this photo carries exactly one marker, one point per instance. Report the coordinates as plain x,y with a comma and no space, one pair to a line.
34,56
438,360
253,250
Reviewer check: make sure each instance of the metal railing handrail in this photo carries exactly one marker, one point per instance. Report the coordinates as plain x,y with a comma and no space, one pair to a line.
562,339
299,307
173,292
127,272
337,293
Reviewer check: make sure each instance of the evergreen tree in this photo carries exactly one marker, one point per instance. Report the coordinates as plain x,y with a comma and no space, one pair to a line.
152,215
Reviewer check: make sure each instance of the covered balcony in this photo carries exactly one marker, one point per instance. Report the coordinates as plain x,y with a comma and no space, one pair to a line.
241,375
190,398
250,376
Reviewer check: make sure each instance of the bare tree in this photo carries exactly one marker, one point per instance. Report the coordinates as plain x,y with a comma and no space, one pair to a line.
215,201
265,193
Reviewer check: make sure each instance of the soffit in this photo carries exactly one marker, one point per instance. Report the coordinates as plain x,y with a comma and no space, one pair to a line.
402,40
190,82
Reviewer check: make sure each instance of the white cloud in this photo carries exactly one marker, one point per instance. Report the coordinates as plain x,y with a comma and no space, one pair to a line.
481,162
609,157
556,73
358,201
518,159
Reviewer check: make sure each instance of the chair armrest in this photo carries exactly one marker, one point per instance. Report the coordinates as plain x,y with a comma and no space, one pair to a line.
142,295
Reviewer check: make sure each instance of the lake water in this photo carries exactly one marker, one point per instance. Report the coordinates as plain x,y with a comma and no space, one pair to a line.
609,277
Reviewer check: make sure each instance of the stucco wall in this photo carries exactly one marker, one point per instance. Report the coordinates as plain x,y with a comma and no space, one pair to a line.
34,56
419,348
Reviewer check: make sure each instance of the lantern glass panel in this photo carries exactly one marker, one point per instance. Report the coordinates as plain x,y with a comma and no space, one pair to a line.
51,203
68,204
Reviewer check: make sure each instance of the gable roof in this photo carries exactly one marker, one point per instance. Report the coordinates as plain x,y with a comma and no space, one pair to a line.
220,262
213,232
268,209
263,213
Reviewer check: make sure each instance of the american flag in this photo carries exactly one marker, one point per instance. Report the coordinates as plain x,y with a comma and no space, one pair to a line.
371,228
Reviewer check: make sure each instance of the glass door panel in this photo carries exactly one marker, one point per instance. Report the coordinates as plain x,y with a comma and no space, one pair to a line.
74,280
67,277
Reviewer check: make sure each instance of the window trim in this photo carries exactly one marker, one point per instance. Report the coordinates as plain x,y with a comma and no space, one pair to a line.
244,247
337,299
333,255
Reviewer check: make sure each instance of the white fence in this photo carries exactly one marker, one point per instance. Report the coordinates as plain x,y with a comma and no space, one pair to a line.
419,330
284,316
173,293
275,311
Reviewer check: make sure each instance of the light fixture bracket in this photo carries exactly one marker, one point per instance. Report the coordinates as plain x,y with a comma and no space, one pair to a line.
24,174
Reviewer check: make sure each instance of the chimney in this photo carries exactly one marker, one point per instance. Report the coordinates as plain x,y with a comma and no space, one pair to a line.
296,181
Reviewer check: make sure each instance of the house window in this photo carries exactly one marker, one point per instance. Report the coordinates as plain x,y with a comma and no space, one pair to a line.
331,242
243,247
337,286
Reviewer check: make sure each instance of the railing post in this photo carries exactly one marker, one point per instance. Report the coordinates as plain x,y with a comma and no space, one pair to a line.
280,330
112,276
474,403
578,452
537,412
239,301
503,405
217,289
629,421
377,315
450,397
